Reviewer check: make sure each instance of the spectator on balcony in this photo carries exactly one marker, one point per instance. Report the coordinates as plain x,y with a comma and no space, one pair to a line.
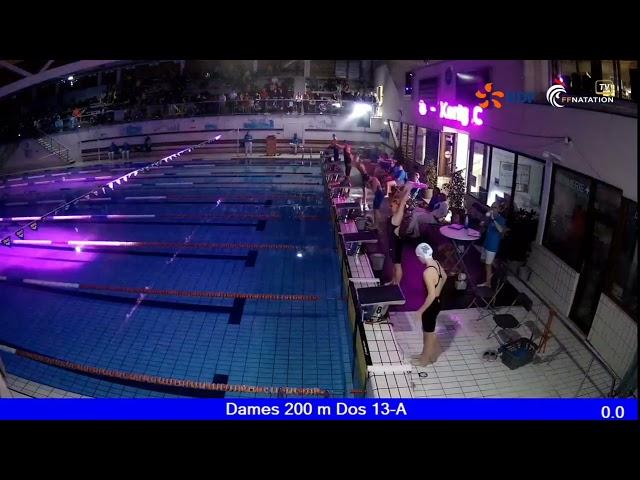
223,101
75,117
248,143
299,99
295,142
147,144
113,150
59,124
126,148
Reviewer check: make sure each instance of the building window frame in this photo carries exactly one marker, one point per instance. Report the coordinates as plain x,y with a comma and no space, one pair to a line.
517,154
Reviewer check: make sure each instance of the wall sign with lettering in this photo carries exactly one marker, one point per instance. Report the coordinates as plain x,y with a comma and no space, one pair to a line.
454,112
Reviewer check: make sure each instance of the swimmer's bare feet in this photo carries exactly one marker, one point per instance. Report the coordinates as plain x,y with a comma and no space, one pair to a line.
421,361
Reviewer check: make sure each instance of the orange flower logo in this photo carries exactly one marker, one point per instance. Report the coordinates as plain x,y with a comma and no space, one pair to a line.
489,90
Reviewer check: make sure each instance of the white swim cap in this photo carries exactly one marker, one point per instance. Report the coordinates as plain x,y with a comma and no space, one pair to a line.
424,251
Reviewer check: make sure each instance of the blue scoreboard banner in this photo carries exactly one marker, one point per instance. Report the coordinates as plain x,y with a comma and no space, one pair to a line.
606,410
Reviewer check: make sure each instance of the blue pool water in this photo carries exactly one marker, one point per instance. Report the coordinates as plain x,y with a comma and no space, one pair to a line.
216,340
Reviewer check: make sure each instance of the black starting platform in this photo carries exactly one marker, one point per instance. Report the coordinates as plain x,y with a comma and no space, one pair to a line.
361,237
376,301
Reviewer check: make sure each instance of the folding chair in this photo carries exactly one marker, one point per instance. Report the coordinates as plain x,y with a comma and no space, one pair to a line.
485,297
506,321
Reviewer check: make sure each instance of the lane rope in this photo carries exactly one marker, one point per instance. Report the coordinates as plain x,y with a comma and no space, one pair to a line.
164,292
171,382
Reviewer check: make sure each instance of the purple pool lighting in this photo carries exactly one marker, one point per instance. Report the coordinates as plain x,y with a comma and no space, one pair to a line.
16,259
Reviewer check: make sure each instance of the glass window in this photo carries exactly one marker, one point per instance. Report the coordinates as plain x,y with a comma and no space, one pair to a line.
477,181
433,147
447,154
468,83
421,143
501,178
408,139
628,76
608,72
394,128
529,180
603,219
566,225
622,286
428,90
580,75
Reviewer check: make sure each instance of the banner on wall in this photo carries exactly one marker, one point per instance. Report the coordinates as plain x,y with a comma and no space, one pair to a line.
133,130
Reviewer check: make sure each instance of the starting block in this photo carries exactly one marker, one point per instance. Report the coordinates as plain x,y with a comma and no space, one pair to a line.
375,301
354,241
360,237
347,206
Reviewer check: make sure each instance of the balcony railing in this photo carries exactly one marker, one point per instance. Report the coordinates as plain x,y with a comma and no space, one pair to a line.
274,106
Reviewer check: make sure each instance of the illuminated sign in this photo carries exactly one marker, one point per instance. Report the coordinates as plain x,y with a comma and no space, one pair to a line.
422,108
457,113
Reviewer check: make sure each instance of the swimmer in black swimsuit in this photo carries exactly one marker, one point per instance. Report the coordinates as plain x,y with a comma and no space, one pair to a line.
434,277
398,204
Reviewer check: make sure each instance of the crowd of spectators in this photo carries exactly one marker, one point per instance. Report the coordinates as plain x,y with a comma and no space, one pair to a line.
175,95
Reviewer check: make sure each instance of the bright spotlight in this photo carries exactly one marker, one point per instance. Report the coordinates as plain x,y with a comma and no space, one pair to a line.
337,105
78,249
299,254
70,78
361,109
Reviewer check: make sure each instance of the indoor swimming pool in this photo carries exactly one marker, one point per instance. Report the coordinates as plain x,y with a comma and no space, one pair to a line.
197,272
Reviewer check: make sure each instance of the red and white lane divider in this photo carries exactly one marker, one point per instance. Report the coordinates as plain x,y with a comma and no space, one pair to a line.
119,243
276,297
168,382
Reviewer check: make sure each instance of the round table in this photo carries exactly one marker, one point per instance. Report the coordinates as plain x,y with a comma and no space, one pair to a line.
464,236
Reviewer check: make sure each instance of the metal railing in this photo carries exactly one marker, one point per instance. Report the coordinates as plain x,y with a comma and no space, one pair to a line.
54,147
123,113
595,355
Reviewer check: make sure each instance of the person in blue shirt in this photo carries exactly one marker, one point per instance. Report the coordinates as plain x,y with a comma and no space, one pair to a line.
397,178
401,175
295,142
248,143
496,225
